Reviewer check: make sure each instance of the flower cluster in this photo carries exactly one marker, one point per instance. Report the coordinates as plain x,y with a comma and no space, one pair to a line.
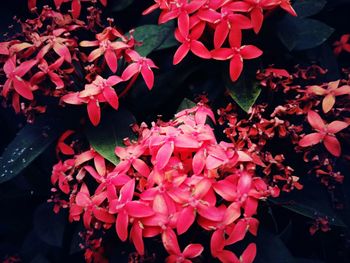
75,5
47,59
323,106
174,176
227,19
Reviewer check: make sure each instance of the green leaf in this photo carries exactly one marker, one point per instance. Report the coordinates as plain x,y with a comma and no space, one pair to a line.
28,144
120,5
312,202
169,42
113,128
300,34
154,37
306,8
186,104
244,92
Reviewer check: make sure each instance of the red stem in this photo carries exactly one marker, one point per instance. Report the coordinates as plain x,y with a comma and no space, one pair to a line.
128,87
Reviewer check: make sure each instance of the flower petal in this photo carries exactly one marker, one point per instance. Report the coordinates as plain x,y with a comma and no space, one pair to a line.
164,154
336,126
315,120
185,220
221,33
94,112
121,225
249,254
199,49
111,97
332,145
181,53
111,59
328,103
193,250
236,67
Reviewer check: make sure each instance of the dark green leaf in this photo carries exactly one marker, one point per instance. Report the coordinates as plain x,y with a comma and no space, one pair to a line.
114,127
186,104
271,248
306,260
168,43
301,34
120,4
244,92
152,37
305,8
311,33
28,144
312,202
48,226
40,259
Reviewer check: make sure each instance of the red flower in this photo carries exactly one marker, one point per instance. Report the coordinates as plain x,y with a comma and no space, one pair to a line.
224,22
75,6
100,90
131,157
59,44
342,45
14,78
181,11
110,50
256,10
175,254
62,146
124,207
236,54
139,64
325,133
191,43
89,207
49,70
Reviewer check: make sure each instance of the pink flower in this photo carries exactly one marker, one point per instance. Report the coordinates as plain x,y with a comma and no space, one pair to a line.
324,133
15,79
124,207
89,207
175,254
100,90
139,65
110,50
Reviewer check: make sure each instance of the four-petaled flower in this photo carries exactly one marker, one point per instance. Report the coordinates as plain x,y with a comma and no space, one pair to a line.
331,92
342,45
325,133
236,54
100,90
139,65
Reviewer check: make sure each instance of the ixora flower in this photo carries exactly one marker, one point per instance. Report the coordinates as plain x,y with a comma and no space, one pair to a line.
325,133
342,44
75,5
100,90
227,18
174,176
330,93
236,53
